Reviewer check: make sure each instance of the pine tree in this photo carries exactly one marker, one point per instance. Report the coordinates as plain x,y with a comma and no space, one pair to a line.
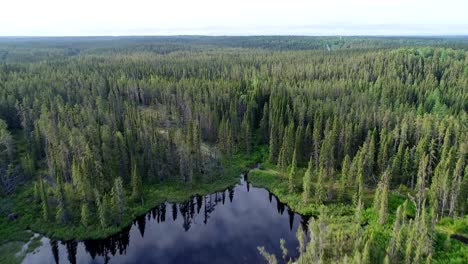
292,172
421,183
103,207
383,211
247,133
37,193
327,158
286,147
386,260
384,149
316,138
273,145
456,185
320,192
85,214
44,199
307,182
62,213
282,156
118,202
381,197
395,251
298,144
345,169
137,192
359,182
366,258
264,125
407,166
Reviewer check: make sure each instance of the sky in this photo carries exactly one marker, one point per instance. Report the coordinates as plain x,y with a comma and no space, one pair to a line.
233,17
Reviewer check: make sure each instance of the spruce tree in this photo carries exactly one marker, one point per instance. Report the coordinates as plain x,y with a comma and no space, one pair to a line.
62,213
345,169
307,182
421,183
456,185
320,192
44,199
103,208
118,202
137,188
292,172
85,214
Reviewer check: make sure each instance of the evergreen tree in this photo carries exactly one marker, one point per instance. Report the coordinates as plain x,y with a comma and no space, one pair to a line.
456,185
62,214
307,182
320,192
85,214
37,193
345,168
44,199
292,172
137,187
421,183
118,202
103,208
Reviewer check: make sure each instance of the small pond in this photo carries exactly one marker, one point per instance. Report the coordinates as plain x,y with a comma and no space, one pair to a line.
222,227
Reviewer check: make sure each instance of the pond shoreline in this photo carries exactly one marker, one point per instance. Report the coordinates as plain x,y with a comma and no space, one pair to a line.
215,220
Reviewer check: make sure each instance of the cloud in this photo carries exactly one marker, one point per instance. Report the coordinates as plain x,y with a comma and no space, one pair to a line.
240,17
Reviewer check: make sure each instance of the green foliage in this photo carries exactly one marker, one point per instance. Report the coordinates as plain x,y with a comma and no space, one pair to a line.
137,188
85,217
292,171
307,185
170,112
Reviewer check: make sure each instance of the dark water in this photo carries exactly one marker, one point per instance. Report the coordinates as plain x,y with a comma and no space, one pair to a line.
223,227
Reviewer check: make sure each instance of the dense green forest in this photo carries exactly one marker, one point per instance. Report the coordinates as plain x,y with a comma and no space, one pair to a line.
367,134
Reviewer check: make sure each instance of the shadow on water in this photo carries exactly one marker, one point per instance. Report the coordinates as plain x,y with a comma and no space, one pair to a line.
204,229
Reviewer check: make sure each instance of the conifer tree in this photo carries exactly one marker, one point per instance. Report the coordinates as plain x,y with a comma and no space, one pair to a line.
137,188
345,169
316,138
85,214
307,182
366,258
407,166
37,193
247,133
273,144
421,183
292,172
118,202
44,199
62,213
381,197
456,185
264,125
320,192
103,208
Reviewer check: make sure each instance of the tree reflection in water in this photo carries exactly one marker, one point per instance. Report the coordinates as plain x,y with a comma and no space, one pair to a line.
189,210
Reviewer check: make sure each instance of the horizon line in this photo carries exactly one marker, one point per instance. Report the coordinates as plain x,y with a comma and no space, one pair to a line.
234,35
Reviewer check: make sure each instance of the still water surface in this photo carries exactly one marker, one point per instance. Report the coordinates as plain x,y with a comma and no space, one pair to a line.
222,227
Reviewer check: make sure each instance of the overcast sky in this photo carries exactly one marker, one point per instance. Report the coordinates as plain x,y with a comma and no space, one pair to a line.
234,17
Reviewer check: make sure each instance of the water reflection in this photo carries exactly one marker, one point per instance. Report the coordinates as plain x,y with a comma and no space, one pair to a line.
204,229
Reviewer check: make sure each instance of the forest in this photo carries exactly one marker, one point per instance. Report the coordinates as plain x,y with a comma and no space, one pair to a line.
366,135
